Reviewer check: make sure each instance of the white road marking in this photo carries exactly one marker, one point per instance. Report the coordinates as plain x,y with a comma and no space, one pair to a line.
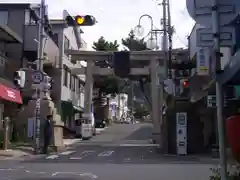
54,156
82,155
31,172
67,152
138,145
9,169
127,159
106,153
75,158
89,175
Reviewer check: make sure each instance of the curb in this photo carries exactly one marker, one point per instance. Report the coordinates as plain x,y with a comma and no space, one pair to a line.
9,154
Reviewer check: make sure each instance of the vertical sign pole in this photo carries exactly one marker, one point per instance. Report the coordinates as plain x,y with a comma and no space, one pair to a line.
219,90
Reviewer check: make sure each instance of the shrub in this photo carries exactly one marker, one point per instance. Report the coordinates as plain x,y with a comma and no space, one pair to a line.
233,175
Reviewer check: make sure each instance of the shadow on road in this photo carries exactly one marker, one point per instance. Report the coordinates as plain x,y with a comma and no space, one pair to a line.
143,133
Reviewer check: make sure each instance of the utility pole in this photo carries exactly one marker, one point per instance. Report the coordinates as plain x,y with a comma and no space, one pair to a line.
166,64
170,33
219,89
133,99
39,68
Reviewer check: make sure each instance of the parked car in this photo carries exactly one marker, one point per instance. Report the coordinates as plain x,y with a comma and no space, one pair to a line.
100,123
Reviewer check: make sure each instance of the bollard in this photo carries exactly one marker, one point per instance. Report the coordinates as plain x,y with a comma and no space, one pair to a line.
6,131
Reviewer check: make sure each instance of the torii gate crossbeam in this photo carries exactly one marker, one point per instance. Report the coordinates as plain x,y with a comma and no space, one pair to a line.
158,74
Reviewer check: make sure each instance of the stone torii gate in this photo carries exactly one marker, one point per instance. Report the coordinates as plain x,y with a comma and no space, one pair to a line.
157,73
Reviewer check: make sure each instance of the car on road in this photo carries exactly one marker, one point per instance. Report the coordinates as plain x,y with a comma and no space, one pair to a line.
99,123
127,121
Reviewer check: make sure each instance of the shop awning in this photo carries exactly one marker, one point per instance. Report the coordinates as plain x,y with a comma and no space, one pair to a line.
10,94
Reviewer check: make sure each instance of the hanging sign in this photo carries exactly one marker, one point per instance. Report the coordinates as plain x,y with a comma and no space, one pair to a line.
203,56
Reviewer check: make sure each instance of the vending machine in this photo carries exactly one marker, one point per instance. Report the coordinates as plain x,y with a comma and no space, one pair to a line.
181,128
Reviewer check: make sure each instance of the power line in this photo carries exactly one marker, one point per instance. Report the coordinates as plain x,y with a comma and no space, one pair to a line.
178,37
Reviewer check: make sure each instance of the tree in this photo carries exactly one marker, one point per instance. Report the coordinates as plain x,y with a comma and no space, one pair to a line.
110,84
134,44
104,84
141,111
103,45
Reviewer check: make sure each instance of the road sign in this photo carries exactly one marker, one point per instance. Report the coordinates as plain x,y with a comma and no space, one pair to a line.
211,101
205,37
37,77
203,61
201,11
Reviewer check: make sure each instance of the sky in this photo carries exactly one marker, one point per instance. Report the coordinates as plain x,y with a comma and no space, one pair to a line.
117,18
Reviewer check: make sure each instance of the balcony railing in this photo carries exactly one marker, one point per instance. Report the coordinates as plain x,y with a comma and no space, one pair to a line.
50,48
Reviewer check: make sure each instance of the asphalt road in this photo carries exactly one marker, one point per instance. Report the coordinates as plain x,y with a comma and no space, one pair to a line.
121,152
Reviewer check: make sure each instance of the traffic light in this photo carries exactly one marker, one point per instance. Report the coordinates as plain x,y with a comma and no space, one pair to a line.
19,78
78,20
47,83
46,87
185,84
121,64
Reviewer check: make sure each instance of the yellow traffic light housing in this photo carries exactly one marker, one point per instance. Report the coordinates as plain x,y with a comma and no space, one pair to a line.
80,20
86,20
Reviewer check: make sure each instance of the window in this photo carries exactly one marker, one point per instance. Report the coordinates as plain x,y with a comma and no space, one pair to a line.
70,81
3,17
77,84
28,18
66,43
73,83
65,82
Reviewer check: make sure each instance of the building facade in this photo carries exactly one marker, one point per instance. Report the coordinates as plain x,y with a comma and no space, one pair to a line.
10,96
71,97
118,107
19,46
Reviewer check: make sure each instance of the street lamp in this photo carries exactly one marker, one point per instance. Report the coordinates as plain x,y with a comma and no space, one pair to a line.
152,43
139,31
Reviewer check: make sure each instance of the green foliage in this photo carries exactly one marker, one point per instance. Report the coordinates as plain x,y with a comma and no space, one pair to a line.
141,111
134,44
113,85
103,45
106,84
234,175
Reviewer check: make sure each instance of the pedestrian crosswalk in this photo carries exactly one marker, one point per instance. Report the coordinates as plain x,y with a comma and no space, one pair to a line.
55,156
73,155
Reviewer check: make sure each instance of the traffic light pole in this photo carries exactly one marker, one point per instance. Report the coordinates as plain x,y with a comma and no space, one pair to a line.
39,68
133,101
219,91
88,88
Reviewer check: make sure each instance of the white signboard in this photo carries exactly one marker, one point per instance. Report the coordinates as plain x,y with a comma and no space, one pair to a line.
37,77
205,37
203,56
